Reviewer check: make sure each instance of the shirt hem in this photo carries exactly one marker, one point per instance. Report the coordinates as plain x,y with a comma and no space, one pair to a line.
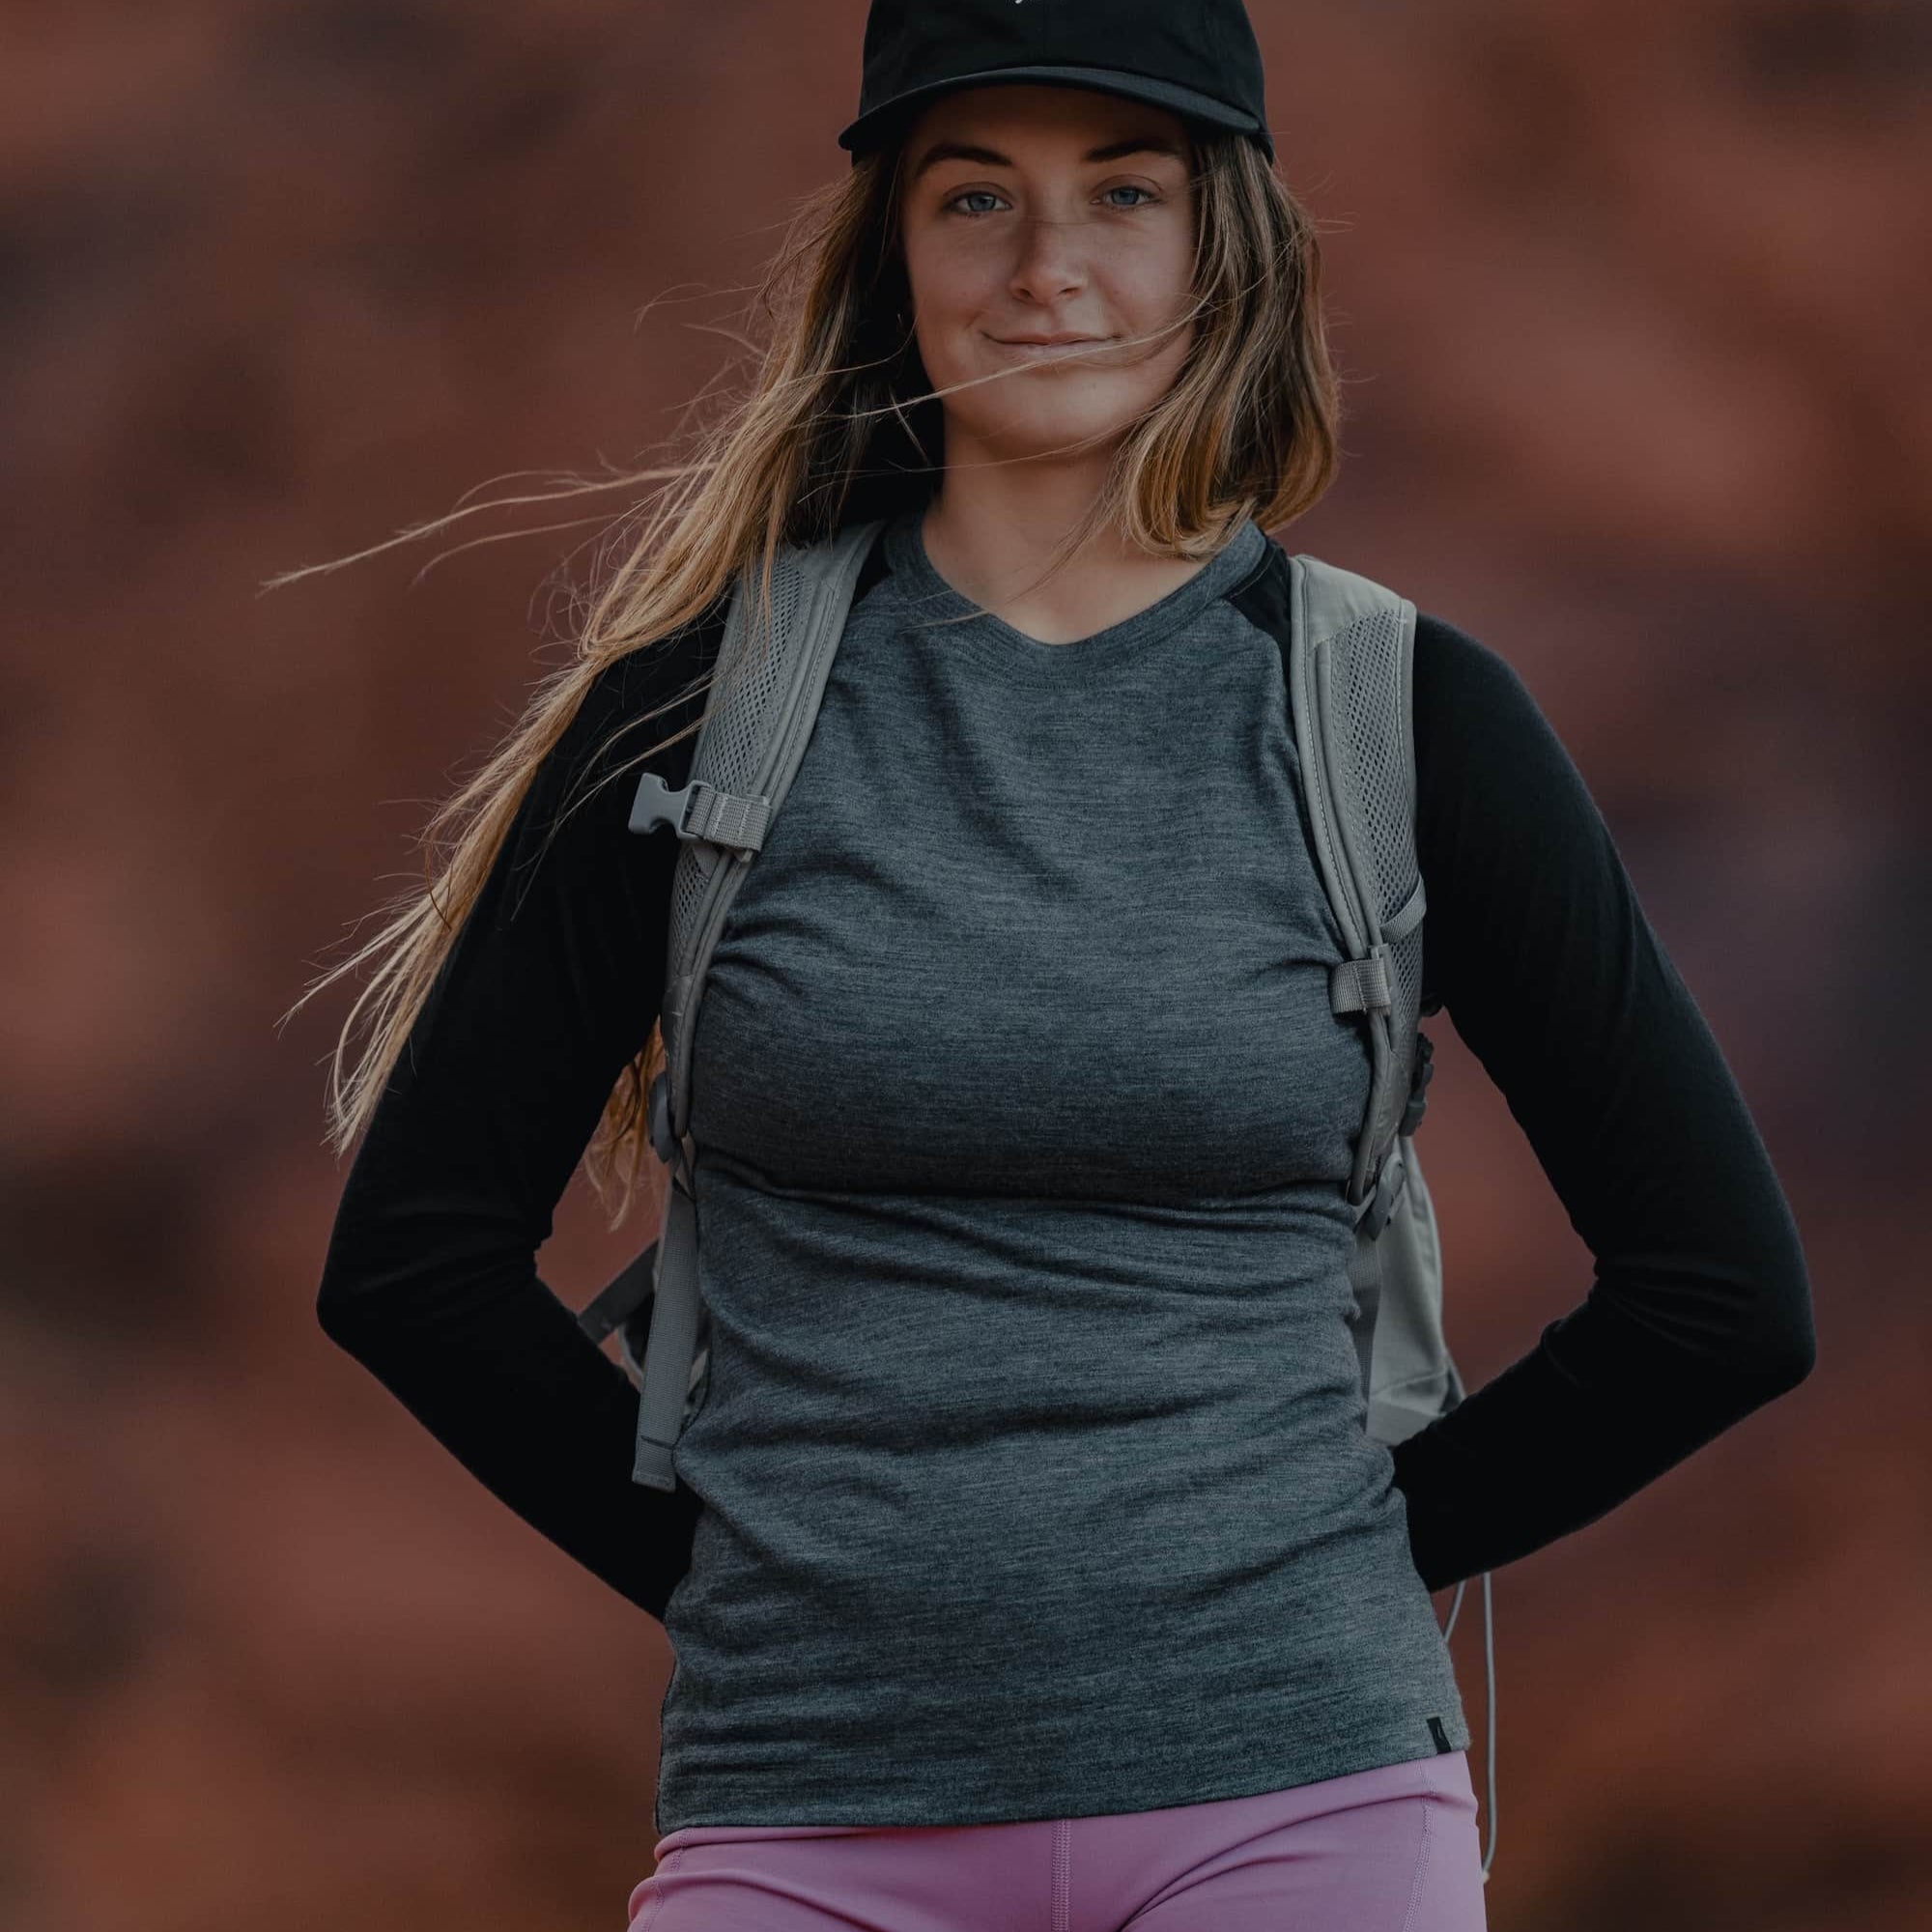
1168,1786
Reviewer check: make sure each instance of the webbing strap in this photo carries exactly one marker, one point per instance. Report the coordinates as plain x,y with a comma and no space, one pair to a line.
1365,1278
1408,918
621,1297
1355,986
725,818
674,1342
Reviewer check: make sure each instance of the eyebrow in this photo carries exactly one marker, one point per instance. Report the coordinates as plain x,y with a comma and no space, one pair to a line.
1113,151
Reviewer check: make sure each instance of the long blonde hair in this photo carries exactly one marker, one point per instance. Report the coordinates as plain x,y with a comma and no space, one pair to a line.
840,425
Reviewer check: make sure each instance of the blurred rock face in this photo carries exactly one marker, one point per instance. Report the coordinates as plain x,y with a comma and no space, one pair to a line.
1633,304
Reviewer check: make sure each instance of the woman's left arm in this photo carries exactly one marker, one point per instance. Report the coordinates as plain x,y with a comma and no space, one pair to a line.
1537,947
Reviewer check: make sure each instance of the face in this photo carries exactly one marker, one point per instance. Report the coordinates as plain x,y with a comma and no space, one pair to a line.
1042,228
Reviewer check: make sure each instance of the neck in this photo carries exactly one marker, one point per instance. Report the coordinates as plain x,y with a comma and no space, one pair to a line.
992,527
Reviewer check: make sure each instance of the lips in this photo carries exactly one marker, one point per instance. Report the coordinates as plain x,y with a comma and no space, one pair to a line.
1048,349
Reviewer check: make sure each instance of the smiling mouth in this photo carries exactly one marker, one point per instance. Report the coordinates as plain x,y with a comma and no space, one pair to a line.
1049,349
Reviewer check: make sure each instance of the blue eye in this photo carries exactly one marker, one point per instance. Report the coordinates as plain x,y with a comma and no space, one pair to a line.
974,193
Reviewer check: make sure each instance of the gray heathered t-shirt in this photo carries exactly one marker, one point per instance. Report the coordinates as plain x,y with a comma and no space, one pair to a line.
1032,1462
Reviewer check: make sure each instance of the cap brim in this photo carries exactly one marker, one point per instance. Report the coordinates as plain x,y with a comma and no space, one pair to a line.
881,122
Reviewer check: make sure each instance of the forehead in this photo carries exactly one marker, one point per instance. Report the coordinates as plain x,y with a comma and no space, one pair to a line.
1035,125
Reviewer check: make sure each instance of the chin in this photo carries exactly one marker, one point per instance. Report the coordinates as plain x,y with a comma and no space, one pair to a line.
1042,431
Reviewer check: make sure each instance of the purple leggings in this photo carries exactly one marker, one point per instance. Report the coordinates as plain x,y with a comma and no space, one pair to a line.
1393,1849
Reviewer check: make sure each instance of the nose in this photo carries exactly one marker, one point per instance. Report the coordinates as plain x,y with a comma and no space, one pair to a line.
1049,266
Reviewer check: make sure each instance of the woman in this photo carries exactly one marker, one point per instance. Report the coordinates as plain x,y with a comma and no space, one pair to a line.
1029,1563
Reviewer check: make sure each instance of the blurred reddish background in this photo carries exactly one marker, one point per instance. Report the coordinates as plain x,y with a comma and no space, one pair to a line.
1633,304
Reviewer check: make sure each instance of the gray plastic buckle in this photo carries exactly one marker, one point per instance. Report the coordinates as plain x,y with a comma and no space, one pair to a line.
715,823
656,804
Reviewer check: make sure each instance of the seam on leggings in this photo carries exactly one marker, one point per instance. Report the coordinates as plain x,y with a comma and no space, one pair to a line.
655,1902
1415,1890
1063,1875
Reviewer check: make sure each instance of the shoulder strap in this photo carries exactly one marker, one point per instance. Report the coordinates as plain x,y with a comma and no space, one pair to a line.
749,747
1350,682
1352,644
765,701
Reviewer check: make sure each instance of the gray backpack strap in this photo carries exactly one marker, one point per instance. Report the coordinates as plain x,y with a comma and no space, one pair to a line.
1349,686
765,701
1350,658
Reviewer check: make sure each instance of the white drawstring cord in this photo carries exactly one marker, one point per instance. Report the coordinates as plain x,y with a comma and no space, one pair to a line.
1489,1706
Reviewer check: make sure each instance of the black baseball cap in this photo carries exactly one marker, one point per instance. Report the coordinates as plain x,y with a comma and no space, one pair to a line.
1197,57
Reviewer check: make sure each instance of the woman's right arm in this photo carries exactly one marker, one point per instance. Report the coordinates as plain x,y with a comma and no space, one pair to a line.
551,986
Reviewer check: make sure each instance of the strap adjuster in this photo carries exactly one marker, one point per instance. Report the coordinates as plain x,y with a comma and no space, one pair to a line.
701,810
